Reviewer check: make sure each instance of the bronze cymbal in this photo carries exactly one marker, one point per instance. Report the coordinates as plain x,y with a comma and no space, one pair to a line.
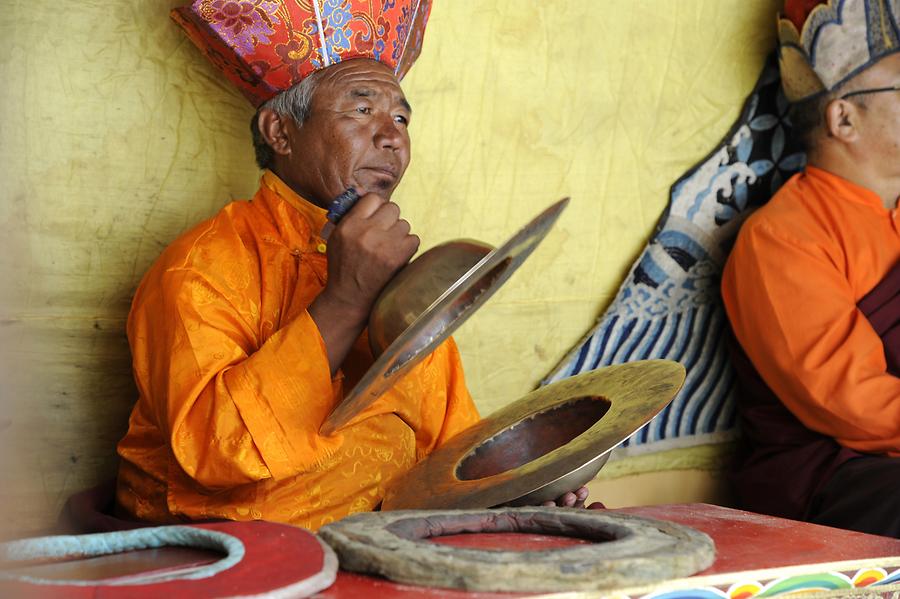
431,315
551,441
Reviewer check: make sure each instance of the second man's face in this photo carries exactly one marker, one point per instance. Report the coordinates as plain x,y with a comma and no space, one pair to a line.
355,136
879,126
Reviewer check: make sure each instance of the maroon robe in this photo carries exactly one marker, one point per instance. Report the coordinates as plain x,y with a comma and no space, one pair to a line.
781,463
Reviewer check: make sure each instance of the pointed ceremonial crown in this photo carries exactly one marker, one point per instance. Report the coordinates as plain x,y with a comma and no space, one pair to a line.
266,46
823,43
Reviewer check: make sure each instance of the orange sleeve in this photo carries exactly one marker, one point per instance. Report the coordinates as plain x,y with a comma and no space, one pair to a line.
461,412
234,411
795,315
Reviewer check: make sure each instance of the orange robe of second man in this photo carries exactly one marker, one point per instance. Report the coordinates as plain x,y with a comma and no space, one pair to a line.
791,287
234,381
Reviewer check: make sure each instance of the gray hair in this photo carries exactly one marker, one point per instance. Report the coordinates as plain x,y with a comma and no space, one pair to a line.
294,102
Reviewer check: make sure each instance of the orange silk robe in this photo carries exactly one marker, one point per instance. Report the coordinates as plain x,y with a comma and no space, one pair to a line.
800,265
234,381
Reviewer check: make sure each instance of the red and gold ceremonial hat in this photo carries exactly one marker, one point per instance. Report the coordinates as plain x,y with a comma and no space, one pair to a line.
823,43
266,46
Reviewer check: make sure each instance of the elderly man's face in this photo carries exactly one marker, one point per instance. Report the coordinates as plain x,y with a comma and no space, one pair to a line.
355,136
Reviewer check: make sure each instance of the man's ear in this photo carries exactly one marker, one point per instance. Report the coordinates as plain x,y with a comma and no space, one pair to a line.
274,129
842,120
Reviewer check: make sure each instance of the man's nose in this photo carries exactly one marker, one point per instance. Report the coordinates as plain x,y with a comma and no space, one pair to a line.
389,135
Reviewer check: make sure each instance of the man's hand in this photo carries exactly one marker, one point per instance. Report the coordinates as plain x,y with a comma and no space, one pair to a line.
366,249
369,245
576,498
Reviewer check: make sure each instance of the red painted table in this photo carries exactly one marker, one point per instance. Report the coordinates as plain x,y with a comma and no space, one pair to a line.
757,556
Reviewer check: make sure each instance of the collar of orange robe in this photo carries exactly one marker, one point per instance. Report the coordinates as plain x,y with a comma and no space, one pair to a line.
313,214
849,190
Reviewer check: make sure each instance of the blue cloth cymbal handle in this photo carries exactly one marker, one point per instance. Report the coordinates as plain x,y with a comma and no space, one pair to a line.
339,206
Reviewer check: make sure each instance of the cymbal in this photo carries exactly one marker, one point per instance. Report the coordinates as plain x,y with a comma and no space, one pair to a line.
551,441
455,302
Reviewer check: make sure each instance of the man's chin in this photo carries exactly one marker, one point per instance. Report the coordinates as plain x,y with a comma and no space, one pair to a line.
376,182
385,191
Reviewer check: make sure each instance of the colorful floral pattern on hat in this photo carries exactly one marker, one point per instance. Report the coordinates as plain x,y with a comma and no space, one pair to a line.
266,46
823,43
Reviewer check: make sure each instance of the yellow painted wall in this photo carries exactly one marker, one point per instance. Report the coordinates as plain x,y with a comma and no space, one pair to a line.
115,136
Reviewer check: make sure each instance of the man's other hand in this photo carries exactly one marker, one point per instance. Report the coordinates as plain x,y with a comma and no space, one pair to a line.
576,499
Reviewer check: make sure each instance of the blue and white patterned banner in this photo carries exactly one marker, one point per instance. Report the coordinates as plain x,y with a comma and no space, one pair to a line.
670,306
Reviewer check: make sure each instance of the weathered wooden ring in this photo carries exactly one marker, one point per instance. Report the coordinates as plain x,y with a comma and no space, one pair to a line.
261,559
630,550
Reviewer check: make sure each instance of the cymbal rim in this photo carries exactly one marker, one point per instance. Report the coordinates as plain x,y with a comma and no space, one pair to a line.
638,391
384,371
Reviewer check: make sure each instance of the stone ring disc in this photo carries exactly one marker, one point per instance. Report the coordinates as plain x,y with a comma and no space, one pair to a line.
628,550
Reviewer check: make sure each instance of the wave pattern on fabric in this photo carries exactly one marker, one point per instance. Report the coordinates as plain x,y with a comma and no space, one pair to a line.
669,305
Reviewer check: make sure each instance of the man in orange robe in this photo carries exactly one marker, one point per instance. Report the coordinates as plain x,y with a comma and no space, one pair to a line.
798,283
234,380
248,329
